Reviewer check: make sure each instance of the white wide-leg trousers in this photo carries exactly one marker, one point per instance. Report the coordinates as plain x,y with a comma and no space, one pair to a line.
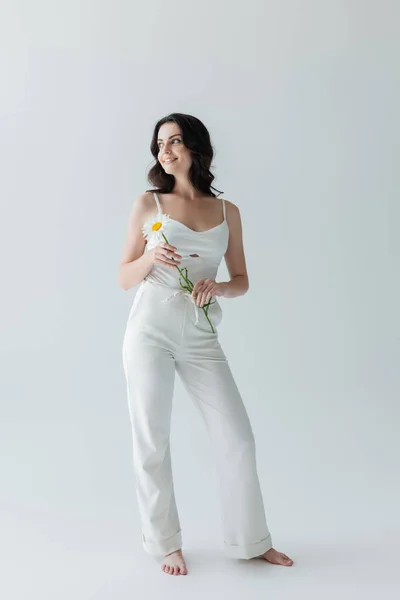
161,338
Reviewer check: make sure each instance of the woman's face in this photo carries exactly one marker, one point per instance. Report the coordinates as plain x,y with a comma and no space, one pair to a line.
173,155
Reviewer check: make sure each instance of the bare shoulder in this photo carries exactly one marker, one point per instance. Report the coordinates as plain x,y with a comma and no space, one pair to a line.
232,214
231,208
144,201
143,206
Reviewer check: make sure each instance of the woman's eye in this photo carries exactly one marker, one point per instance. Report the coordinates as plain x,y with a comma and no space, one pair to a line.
174,140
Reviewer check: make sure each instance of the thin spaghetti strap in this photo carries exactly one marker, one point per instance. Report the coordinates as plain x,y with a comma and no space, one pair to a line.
158,202
224,208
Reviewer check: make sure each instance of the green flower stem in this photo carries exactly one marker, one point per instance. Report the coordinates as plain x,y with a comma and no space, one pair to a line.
189,287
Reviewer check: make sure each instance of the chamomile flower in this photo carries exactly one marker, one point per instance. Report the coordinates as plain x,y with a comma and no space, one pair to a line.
154,227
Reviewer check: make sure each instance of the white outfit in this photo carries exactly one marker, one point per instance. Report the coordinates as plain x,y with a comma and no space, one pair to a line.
167,332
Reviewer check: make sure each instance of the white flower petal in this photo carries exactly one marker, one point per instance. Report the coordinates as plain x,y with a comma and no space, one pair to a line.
147,228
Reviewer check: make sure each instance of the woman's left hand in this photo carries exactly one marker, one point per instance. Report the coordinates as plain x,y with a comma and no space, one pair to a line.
204,289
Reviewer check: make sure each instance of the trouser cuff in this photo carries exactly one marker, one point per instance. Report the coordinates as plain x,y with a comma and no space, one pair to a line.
163,547
249,551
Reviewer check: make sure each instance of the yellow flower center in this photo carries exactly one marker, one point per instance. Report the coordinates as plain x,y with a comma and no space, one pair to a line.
156,226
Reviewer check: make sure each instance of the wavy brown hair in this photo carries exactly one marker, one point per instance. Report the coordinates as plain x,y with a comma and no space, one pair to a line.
196,138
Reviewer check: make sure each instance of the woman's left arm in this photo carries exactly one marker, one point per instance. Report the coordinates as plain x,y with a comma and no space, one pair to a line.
234,256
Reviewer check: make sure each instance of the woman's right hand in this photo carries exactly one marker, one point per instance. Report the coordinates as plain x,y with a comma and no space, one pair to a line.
165,254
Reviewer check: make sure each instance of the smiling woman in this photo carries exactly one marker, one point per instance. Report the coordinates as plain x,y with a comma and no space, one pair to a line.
175,259
181,142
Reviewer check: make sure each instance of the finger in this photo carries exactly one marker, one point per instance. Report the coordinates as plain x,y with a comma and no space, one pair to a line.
209,296
161,255
202,299
197,287
172,264
203,296
166,261
168,247
200,295
174,255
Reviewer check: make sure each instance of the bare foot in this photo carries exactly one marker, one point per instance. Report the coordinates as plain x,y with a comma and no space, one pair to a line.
277,558
174,564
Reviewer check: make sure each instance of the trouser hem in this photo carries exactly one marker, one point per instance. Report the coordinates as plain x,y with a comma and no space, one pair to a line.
163,547
249,551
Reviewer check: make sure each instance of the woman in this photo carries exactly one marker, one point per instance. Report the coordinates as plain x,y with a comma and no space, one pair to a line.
177,236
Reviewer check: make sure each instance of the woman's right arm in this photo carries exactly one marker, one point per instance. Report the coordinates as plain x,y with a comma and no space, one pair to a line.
135,263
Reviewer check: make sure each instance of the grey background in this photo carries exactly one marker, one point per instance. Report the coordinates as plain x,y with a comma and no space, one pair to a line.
301,100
